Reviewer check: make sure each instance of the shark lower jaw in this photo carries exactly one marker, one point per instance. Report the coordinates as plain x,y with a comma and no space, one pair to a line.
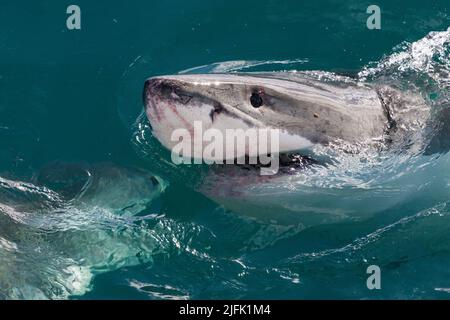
288,163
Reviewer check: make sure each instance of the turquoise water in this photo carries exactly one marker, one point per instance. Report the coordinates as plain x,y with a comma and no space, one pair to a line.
81,214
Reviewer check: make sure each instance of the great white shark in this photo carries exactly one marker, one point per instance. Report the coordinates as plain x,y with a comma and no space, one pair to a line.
309,109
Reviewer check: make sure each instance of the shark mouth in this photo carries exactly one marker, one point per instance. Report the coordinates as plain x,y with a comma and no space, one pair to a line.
289,163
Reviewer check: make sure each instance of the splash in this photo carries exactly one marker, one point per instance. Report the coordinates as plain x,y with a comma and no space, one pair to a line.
424,65
246,66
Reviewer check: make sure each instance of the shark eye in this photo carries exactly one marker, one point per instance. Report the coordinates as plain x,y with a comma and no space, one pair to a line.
256,100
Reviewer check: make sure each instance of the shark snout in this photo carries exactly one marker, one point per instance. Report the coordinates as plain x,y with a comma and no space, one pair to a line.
158,92
167,106
158,88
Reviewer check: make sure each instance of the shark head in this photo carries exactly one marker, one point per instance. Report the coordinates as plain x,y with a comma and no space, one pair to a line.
305,112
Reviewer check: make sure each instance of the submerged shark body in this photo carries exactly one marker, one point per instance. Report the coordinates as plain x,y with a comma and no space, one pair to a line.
311,110
73,222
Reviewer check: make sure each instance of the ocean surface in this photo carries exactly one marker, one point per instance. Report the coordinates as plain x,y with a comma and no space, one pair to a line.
88,210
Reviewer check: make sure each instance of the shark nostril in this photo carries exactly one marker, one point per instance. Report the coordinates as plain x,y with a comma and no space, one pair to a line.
165,90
